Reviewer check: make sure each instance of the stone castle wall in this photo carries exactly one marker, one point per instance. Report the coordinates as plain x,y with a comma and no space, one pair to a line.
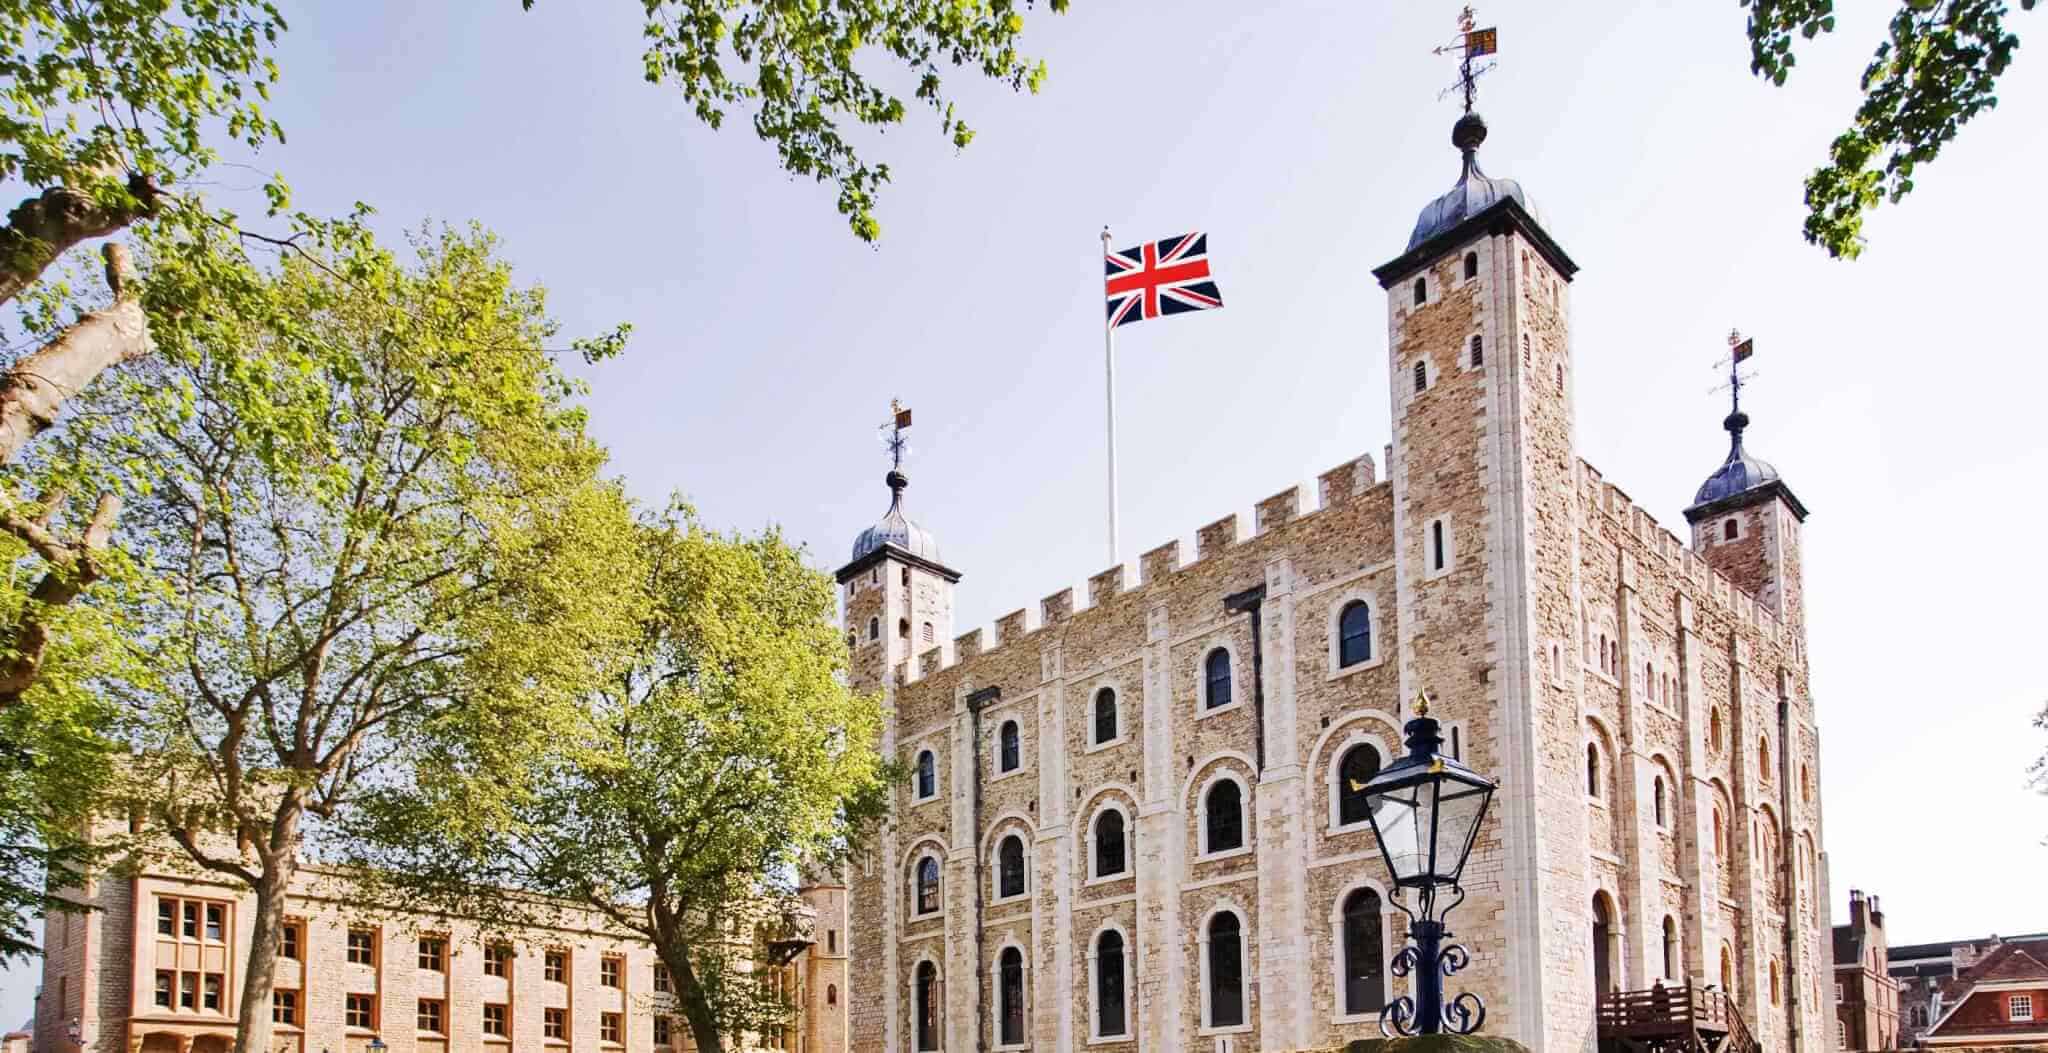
1559,619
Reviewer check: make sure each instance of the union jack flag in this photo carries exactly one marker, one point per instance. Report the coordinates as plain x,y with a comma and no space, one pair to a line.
1169,276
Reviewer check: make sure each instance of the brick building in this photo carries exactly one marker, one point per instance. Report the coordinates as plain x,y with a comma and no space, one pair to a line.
1962,993
1130,818
1866,995
157,968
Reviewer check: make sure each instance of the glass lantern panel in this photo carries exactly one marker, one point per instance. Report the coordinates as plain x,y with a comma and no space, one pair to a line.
1399,823
1457,814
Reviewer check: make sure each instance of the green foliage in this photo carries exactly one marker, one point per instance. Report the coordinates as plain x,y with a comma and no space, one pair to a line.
720,755
104,86
796,66
1937,68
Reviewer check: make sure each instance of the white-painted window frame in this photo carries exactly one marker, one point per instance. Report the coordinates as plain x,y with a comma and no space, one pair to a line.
1334,774
1387,923
1201,673
1110,804
1203,853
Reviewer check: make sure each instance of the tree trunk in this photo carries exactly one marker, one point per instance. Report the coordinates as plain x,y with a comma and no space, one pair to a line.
690,997
46,226
252,1032
34,389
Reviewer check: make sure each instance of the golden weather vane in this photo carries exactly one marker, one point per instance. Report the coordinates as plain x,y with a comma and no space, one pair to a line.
1472,43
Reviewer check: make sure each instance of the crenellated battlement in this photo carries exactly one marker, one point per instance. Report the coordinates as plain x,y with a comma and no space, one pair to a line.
1675,555
1156,566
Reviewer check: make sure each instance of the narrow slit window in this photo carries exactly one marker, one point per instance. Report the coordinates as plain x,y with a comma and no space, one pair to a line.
1421,291
1471,265
1421,377
1478,351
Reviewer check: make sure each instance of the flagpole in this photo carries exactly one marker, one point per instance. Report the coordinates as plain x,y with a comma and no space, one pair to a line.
1109,379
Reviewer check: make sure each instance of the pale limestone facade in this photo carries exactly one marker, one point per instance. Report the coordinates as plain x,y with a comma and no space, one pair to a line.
1643,702
354,974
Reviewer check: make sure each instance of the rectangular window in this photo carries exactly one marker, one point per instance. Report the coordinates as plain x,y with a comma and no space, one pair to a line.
209,992
497,959
361,1011
215,922
554,1023
362,947
831,941
494,1019
2020,1007
188,991
554,967
433,1015
191,931
284,1007
610,1027
662,983
433,954
664,1032
165,980
1436,545
166,918
289,937
610,970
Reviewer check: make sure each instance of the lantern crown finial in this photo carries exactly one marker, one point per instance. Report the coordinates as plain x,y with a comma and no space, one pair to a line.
1422,703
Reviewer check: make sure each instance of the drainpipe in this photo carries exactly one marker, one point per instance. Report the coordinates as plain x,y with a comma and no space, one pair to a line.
1788,898
1248,602
975,701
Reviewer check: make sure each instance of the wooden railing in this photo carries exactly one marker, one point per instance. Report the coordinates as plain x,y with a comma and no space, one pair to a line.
1670,1011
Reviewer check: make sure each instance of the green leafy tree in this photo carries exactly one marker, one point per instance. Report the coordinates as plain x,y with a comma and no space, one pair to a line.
717,759
1937,68
796,66
376,517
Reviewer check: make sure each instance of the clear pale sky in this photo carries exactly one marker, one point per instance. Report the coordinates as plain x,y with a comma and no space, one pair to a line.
1900,395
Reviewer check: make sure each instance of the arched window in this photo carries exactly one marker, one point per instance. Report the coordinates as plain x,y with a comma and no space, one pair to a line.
1226,971
1774,981
1720,833
874,628
1010,867
928,885
906,577
1010,992
1360,764
1715,738
1421,292
1592,769
927,775
903,628
1109,983
1421,377
1109,843
1364,951
1223,817
1805,784
1354,634
1105,716
831,994
1763,759
1216,675
1478,351
1471,265
1657,800
1670,948
1009,752
927,632
1606,946
1730,530
927,1007
1727,971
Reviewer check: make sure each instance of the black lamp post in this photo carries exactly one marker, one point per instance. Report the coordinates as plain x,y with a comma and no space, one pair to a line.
1425,810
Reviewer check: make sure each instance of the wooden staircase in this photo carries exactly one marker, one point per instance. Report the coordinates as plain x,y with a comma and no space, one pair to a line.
1672,1020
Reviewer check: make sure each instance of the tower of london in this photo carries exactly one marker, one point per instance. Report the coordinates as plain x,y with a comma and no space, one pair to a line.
1130,819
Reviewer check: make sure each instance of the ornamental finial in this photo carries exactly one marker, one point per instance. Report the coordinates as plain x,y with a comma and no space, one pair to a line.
1422,703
